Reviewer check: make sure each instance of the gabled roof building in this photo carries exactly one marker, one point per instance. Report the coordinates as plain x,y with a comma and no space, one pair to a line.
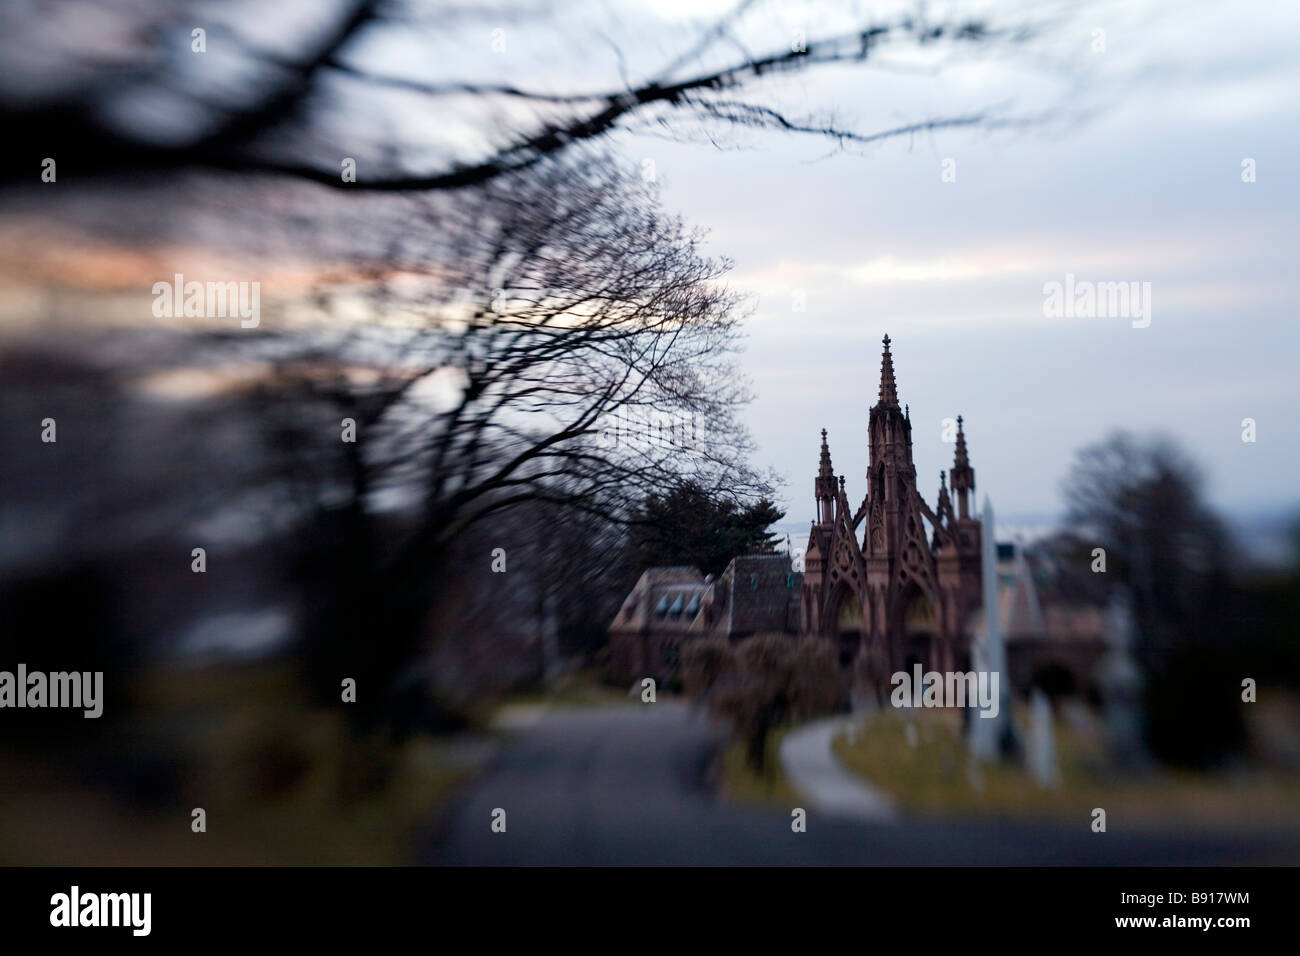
757,593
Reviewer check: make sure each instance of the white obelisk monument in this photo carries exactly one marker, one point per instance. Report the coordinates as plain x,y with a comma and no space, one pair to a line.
988,653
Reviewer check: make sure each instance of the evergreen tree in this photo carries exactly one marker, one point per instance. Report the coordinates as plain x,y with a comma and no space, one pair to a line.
688,526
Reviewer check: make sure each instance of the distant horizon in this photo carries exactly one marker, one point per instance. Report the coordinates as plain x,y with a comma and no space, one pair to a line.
1264,536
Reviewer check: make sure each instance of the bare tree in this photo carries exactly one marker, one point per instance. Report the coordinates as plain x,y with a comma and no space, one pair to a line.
1141,501
568,348
520,326
281,103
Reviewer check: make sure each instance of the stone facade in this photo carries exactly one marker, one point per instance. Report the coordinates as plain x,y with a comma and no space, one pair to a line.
893,581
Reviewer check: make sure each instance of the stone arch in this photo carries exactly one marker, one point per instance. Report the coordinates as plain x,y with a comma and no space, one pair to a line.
922,631
845,621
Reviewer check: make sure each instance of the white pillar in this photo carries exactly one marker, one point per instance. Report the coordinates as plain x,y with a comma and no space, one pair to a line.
988,652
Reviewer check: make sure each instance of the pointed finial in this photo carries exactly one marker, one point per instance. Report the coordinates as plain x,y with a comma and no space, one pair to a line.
960,458
825,469
888,390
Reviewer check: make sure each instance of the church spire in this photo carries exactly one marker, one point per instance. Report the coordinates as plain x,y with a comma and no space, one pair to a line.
963,475
943,512
888,390
824,485
944,509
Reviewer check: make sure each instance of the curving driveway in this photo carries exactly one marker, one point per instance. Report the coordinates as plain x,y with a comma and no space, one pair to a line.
628,786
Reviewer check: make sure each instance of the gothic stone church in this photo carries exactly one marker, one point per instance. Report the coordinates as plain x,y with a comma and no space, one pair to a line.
893,582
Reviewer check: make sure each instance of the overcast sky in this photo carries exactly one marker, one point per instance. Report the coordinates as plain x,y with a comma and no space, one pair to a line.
1134,173
1149,189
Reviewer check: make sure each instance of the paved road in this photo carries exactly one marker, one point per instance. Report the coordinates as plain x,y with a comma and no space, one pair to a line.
629,786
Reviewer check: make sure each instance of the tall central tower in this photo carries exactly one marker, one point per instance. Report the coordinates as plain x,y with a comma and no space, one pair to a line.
893,581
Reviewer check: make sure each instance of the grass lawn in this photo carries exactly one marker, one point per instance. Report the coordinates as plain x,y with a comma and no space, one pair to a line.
281,783
738,782
937,777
